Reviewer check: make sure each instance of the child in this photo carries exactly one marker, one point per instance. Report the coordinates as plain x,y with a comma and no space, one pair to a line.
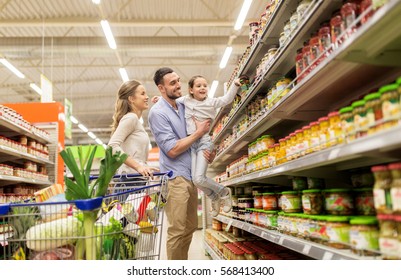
201,107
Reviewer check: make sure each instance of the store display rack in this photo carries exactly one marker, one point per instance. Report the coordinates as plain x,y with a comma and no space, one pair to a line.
8,128
5,180
214,253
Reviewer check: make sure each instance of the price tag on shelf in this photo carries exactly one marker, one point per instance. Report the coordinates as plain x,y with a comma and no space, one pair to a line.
252,229
264,235
327,256
229,225
281,240
306,249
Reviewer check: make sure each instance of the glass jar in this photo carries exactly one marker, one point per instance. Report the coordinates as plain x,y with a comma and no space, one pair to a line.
252,28
314,141
291,148
306,146
395,169
299,135
299,183
282,39
382,189
312,202
324,39
338,202
216,225
347,123
390,105
349,13
314,49
306,50
323,132
374,113
366,4
272,53
360,119
287,29
337,229
282,152
302,7
282,86
336,27
263,21
388,239
291,202
266,141
364,236
258,201
364,203
294,19
299,67
315,183
334,132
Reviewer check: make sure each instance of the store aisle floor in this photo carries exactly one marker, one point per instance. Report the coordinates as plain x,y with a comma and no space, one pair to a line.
196,251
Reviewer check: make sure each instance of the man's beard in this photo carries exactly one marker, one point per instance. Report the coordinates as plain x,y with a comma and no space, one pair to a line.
172,96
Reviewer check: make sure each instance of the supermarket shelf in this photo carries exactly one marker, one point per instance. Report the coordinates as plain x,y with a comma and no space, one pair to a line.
6,152
213,254
8,128
304,247
373,149
4,179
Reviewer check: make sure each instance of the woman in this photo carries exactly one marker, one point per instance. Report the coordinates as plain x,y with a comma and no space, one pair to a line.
128,134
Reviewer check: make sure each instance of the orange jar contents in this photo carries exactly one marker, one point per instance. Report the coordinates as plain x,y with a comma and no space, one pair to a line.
258,201
269,201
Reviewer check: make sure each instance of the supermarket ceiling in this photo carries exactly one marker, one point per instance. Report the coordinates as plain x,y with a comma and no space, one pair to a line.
64,41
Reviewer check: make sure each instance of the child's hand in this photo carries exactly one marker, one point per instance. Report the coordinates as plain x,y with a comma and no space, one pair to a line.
154,99
237,82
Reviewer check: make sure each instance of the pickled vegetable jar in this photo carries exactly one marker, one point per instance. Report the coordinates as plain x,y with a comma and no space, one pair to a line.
291,202
337,229
360,119
382,189
335,131
364,236
323,132
388,239
374,113
390,104
338,202
347,123
395,169
364,203
312,202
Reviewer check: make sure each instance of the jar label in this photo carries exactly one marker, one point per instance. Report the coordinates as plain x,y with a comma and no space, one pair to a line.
292,203
391,109
338,234
339,203
389,246
382,199
364,240
306,204
396,199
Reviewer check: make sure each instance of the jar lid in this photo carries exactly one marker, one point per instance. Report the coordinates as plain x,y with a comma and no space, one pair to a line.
363,190
266,136
337,218
379,168
336,190
298,131
389,87
289,192
311,191
346,110
269,193
313,123
367,220
371,96
399,81
306,127
358,103
385,217
333,114
322,119
269,211
394,166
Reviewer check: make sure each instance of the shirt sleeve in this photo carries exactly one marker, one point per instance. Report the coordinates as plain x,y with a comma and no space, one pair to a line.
124,129
181,99
161,129
227,98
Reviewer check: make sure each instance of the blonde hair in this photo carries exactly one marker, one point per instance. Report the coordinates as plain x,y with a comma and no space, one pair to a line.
122,105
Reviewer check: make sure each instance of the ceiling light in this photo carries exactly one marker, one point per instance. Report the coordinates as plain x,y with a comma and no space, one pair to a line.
36,88
242,14
74,120
213,88
123,74
91,135
12,68
100,142
97,2
108,34
83,128
225,57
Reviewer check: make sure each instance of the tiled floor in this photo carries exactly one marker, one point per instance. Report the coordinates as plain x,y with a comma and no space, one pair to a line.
196,251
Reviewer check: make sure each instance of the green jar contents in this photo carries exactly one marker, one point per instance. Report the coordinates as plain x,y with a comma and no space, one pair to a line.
291,202
338,202
364,236
374,113
299,183
390,104
360,119
395,191
337,229
388,239
364,203
382,189
347,123
315,183
312,202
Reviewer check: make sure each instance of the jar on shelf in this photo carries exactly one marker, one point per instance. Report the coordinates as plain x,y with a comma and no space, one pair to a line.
282,39
216,225
263,21
271,156
374,113
337,229
294,19
291,146
347,123
299,66
291,202
314,50
388,236
282,86
349,13
253,26
258,201
365,5
323,132
382,189
306,145
325,39
395,191
299,183
315,183
266,141
299,141
287,29
338,202
335,131
364,236
302,7
314,141
336,27
390,105
360,119
364,203
282,152
306,50
312,202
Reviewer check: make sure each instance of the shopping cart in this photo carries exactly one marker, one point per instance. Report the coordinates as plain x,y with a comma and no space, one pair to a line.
127,224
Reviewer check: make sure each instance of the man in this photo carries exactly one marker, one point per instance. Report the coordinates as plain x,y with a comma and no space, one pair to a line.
167,123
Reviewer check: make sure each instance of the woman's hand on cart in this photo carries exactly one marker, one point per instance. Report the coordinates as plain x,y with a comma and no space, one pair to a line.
147,171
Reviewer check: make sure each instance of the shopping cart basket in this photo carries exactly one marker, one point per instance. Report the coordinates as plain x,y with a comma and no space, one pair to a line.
127,223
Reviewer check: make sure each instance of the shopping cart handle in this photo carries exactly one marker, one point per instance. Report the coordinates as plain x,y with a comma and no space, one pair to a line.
134,175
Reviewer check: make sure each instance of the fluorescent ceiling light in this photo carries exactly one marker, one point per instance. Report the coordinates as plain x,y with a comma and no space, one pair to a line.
213,88
74,120
109,35
83,128
242,14
36,88
11,68
97,2
123,74
100,142
91,135
226,56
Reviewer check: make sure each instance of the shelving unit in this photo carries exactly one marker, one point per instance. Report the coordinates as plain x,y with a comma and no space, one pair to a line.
367,59
10,129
